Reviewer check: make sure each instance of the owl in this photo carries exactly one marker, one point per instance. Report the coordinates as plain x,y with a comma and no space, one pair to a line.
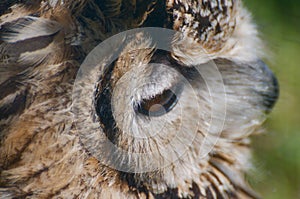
130,98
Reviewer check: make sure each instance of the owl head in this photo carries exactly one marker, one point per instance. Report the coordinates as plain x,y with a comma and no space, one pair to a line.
165,105
164,112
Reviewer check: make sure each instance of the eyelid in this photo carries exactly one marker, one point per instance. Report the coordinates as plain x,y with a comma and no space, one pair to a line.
152,90
154,79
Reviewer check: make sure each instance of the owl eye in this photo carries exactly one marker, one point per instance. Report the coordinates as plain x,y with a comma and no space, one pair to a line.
159,104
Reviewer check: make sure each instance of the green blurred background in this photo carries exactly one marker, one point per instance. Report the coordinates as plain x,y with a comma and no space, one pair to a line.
277,153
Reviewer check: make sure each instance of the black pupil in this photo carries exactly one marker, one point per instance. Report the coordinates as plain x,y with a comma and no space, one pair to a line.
158,105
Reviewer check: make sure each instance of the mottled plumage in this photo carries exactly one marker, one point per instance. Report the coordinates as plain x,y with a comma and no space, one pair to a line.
49,150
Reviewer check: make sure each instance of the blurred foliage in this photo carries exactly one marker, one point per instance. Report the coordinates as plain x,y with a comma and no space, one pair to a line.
277,153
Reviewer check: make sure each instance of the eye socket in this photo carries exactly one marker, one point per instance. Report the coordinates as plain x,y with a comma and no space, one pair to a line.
159,104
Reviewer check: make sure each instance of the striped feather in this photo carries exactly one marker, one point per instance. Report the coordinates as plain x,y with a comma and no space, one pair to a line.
27,28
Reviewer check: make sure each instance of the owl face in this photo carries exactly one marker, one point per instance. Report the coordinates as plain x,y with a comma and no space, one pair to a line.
159,116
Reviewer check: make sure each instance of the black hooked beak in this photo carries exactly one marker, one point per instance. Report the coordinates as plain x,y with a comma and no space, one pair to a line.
268,88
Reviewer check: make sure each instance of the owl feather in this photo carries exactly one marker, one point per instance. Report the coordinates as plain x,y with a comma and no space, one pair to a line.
44,153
